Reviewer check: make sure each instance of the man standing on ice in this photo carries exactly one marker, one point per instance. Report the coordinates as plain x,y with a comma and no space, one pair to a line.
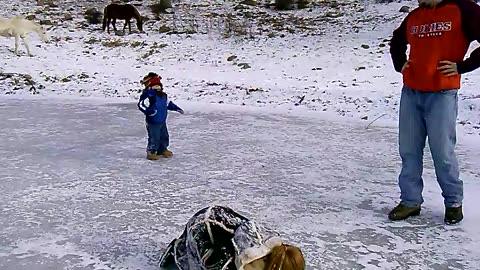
439,34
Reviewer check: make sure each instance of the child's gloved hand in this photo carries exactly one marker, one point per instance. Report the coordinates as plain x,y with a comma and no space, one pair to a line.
180,111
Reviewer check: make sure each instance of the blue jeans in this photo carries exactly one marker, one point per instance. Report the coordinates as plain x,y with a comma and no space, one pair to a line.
432,115
158,138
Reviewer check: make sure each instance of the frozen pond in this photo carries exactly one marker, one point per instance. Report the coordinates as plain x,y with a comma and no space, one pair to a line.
78,193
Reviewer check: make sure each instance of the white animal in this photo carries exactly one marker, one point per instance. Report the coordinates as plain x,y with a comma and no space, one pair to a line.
18,27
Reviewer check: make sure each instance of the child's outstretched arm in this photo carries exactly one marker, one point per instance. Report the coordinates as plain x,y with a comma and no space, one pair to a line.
173,107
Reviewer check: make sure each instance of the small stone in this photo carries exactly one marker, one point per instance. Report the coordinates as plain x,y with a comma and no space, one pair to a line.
231,58
244,65
404,9
68,16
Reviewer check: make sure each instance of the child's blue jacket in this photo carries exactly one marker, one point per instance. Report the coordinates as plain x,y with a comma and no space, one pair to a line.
155,106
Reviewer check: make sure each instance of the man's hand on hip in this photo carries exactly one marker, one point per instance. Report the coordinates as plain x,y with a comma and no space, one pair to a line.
406,65
448,68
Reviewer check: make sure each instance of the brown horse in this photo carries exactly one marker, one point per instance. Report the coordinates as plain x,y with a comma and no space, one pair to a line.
126,12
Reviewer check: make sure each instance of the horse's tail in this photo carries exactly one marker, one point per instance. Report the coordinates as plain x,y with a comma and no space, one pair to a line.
105,16
137,14
139,19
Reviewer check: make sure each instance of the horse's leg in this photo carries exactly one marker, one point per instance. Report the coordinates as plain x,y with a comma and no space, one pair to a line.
114,22
109,20
125,25
16,44
24,39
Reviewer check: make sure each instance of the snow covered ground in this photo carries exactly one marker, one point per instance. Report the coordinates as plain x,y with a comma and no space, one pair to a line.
340,66
77,192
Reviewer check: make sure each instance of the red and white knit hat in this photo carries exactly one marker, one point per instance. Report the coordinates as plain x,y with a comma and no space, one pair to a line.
146,79
154,81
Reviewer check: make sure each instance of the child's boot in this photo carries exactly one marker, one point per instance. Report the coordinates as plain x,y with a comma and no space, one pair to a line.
152,156
167,153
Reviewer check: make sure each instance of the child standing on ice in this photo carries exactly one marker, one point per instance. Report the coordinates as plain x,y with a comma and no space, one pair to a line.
154,103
